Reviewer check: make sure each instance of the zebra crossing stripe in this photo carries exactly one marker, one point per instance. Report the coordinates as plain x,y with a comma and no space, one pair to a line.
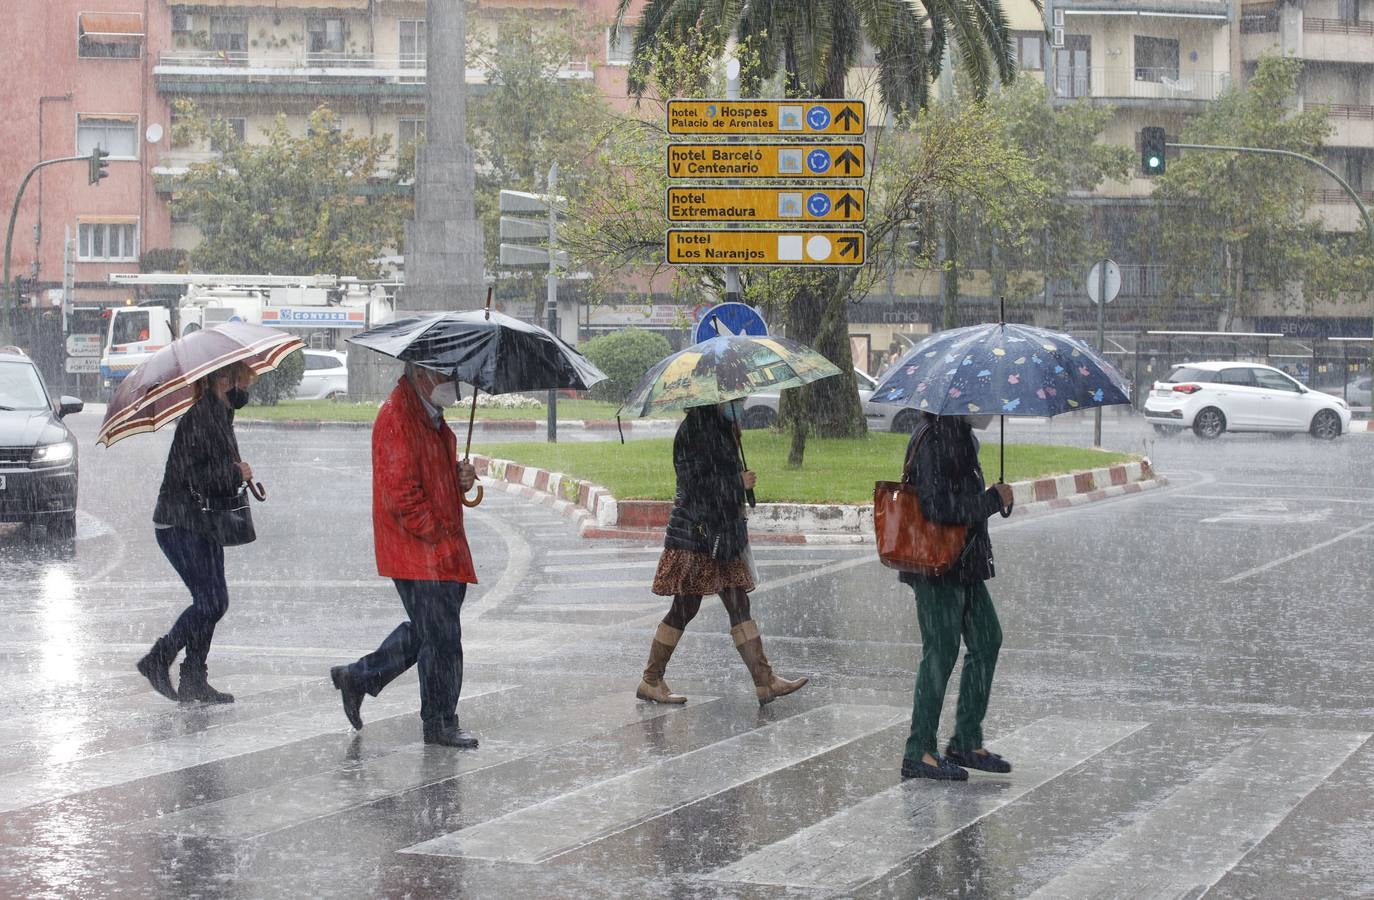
545,830
40,784
282,806
875,836
1188,843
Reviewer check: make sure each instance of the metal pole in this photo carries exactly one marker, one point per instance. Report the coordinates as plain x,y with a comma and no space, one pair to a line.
551,300
1101,340
1353,194
6,336
732,93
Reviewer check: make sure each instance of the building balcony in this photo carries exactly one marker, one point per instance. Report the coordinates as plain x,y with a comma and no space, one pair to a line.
224,72
1338,211
1352,126
1336,40
1218,9
1141,86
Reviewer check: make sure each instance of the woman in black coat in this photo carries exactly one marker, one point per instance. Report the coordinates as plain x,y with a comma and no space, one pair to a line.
706,551
202,463
949,484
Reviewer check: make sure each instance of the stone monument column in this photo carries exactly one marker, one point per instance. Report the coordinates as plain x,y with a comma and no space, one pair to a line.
443,243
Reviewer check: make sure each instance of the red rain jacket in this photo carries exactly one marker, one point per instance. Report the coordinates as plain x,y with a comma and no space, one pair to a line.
417,509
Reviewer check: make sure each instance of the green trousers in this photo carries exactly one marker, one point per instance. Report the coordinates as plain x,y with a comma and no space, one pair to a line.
945,613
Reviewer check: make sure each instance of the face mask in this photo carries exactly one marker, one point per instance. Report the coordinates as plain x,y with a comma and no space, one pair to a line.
237,397
730,411
444,394
978,422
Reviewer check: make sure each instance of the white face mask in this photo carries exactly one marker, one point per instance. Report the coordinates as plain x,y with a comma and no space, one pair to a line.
978,422
444,394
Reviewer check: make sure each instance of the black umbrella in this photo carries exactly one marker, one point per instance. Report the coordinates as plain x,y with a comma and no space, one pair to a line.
489,350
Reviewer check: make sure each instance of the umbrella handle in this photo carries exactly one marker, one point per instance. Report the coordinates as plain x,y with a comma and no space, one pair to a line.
258,491
476,498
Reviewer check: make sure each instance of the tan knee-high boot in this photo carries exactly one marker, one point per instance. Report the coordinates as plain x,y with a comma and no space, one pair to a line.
767,685
653,687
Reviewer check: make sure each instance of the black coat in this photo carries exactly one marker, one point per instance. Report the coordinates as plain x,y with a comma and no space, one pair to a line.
949,483
710,489
203,460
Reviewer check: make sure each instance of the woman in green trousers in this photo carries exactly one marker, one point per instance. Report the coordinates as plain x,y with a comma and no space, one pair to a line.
949,483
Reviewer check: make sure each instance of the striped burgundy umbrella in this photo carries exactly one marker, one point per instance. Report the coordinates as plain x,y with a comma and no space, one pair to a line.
160,389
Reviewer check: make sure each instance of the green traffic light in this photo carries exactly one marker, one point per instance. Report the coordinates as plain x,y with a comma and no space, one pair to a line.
1154,162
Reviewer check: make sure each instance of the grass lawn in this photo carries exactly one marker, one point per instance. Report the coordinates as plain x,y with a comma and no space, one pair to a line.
834,471
343,411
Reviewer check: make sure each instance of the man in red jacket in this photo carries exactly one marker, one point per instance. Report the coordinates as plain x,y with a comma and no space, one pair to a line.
417,528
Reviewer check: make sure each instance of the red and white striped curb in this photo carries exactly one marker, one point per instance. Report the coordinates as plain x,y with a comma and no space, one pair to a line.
599,514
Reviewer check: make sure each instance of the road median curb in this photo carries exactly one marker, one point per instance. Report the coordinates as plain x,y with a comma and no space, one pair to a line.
599,514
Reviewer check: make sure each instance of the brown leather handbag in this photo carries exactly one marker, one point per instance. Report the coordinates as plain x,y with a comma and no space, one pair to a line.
907,540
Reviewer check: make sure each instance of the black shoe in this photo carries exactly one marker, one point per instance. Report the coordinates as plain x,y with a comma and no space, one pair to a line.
351,694
195,688
971,759
943,770
449,736
158,675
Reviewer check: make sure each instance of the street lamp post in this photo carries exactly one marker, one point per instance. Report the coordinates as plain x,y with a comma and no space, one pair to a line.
6,307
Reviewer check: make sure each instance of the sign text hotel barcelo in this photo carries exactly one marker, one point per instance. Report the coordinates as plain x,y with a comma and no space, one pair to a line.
812,175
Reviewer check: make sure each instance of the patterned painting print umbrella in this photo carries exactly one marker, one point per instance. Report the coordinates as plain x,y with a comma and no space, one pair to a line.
1005,370
724,368
160,389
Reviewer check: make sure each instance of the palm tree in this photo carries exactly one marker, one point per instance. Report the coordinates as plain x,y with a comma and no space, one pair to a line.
817,42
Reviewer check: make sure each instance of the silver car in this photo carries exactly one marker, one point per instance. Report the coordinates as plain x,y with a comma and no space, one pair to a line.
761,410
325,377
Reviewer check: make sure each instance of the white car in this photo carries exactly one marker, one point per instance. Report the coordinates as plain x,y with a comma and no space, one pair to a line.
1214,397
761,410
326,376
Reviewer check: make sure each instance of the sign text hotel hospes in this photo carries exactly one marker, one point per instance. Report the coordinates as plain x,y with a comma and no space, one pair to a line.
811,175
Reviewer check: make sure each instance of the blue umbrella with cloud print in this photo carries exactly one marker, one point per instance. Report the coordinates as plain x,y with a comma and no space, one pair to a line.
1004,370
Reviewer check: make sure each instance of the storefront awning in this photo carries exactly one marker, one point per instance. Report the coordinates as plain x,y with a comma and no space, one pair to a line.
109,27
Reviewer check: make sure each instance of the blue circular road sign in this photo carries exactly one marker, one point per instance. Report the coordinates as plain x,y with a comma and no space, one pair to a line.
818,160
818,117
818,204
729,318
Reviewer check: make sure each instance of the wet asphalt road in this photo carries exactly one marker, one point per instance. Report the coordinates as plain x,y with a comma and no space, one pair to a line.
1184,688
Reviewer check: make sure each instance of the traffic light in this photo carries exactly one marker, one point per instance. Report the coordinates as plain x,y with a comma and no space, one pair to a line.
99,167
1152,150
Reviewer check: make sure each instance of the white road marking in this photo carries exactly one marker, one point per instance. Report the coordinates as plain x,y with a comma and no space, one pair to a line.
281,806
875,836
1185,845
556,826
1292,556
43,783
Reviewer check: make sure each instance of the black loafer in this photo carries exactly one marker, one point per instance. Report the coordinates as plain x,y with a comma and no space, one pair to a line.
984,762
450,736
944,770
351,694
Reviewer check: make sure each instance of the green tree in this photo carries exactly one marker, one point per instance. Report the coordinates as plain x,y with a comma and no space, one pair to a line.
1024,225
290,204
813,45
1245,217
530,114
624,356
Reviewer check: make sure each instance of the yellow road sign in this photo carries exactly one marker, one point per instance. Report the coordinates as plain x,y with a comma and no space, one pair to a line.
802,118
784,161
740,204
696,247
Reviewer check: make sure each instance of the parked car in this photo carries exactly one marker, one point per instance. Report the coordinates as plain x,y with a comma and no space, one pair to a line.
761,410
1215,397
37,450
326,376
1357,393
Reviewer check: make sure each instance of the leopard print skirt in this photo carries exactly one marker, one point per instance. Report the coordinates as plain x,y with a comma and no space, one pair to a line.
692,573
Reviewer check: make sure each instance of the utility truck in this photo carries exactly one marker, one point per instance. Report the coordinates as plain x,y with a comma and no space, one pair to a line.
322,305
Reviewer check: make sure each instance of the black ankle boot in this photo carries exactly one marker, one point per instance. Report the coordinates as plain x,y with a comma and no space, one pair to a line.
449,734
154,666
195,687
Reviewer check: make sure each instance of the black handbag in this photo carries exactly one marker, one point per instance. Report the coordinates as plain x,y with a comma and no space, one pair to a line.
228,521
